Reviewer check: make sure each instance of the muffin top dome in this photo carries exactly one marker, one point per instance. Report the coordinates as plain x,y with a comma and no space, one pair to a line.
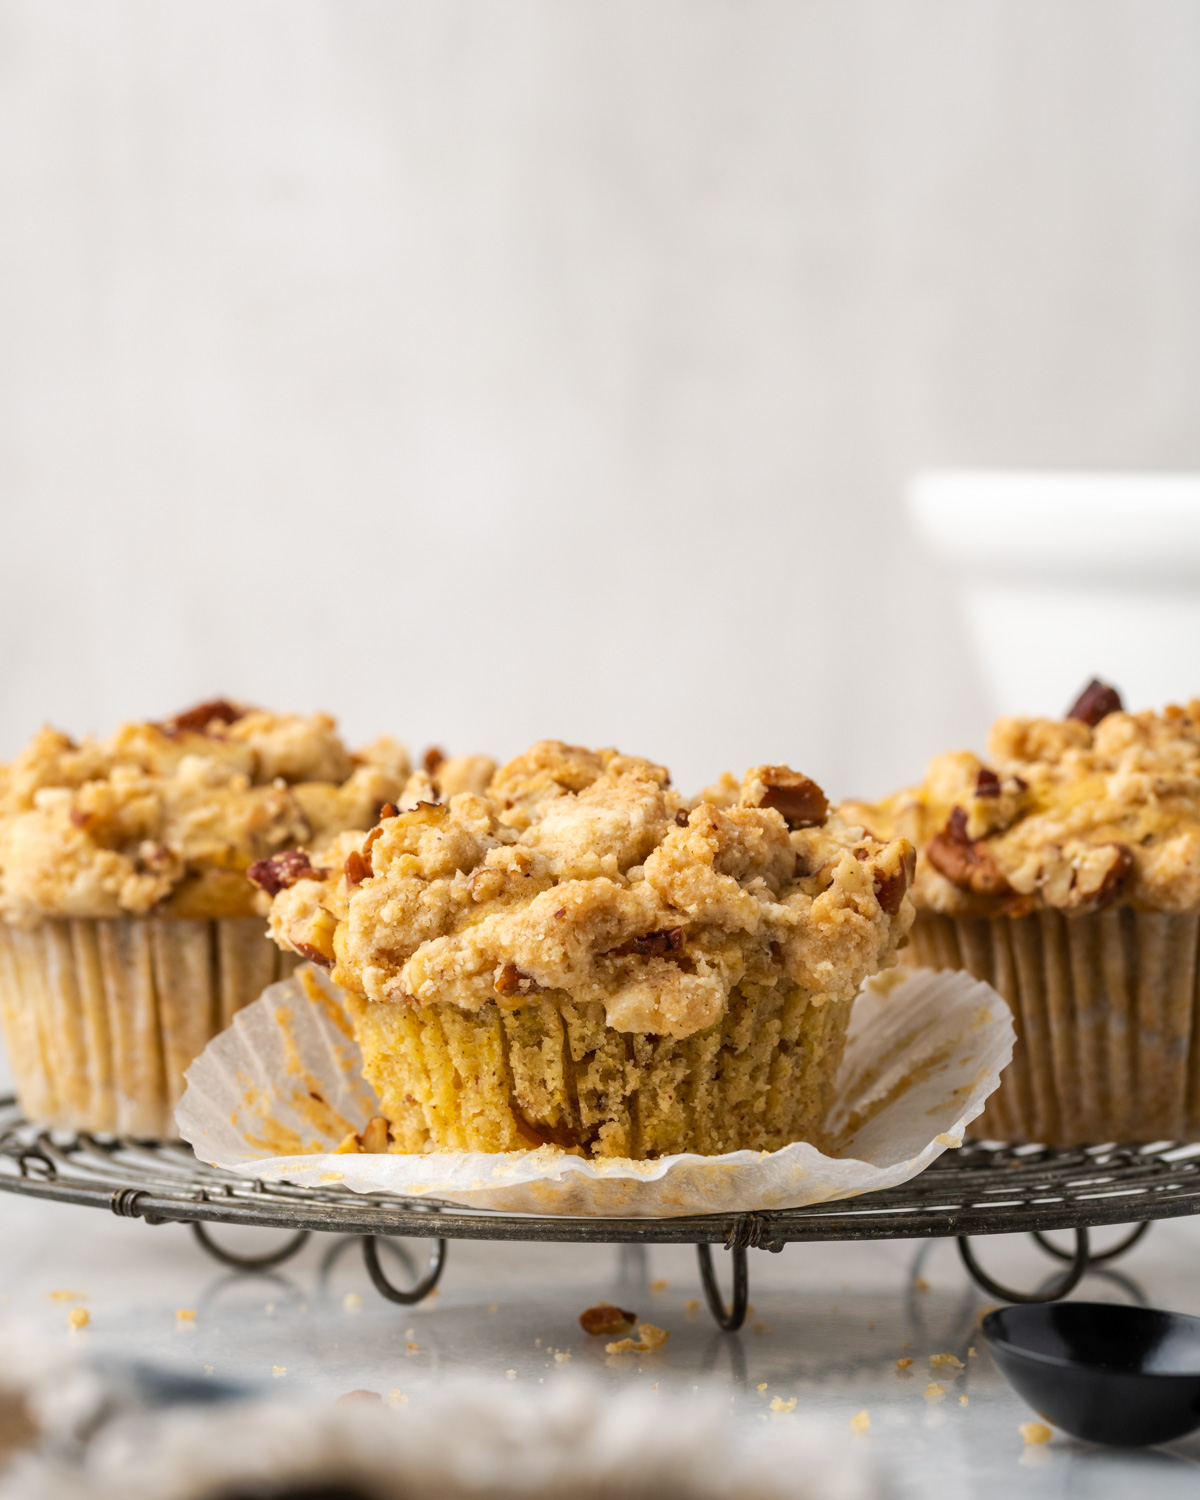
582,874
1072,814
164,818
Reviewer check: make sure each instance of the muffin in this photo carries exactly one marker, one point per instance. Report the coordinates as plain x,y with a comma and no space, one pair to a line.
1065,871
579,957
129,933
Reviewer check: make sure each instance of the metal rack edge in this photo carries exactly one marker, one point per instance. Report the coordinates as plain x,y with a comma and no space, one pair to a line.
715,1229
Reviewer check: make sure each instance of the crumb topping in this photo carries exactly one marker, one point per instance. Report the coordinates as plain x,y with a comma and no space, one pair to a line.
165,818
1073,814
584,875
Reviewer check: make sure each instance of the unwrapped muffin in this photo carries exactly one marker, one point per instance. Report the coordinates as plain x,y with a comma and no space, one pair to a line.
129,934
581,957
1065,871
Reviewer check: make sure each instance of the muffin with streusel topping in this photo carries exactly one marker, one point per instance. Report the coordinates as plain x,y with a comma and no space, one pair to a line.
1065,871
129,934
581,957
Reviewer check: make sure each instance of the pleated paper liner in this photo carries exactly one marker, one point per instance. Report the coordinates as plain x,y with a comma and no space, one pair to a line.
1107,1013
274,1095
102,1017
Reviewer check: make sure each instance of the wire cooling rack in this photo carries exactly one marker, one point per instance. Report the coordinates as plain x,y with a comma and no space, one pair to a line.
982,1188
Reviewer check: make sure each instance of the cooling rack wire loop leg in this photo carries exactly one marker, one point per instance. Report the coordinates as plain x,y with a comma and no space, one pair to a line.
1096,1257
249,1262
1065,1283
729,1318
437,1262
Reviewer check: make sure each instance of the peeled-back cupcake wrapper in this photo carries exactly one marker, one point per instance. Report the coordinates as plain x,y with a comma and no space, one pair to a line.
274,1095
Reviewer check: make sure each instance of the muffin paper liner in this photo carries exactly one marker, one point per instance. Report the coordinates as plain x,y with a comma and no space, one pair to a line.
101,1017
273,1096
1107,1014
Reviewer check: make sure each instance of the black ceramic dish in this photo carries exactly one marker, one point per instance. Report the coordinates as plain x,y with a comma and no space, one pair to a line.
1127,1376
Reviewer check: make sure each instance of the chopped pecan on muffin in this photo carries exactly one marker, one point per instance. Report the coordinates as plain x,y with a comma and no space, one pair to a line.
582,891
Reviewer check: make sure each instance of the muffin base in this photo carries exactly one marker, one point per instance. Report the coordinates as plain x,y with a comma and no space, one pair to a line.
1107,1013
552,1072
101,1017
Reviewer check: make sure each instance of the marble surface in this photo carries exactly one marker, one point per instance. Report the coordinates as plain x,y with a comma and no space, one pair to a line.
828,1325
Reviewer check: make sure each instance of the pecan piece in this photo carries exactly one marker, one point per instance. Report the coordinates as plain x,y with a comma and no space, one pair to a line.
965,861
1115,877
314,955
987,783
282,871
1096,702
652,944
510,981
357,867
375,1136
796,797
604,1320
434,756
196,720
890,889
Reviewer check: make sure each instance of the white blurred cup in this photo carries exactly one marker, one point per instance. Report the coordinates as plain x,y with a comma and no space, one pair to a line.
1063,577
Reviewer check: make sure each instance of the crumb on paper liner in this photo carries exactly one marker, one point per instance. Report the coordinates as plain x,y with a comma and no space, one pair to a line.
274,1095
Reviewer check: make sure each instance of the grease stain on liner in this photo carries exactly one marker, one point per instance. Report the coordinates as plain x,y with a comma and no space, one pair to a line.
273,1096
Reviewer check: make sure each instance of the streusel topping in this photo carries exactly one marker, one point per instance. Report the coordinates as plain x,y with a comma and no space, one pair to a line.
164,818
584,875
1072,814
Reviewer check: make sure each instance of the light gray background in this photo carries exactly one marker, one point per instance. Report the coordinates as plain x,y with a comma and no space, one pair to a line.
482,371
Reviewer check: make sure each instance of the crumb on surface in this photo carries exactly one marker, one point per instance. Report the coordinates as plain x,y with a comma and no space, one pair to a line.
397,1397
951,1360
278,1371
78,1317
762,1385
779,1404
903,1364
66,1296
411,1348
352,1302
649,1338
934,1391
971,1352
962,1400
861,1422
692,1306
208,1369
761,1327
510,1374
920,1284
1035,1433
660,1285
562,1356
